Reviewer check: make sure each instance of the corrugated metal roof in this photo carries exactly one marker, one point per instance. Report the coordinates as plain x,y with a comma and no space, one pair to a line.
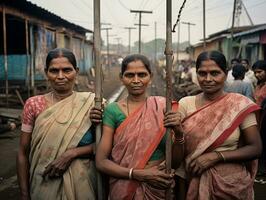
256,29
43,14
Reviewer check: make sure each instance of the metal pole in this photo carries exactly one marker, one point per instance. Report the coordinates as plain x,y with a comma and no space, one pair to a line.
139,32
5,55
204,25
169,54
98,84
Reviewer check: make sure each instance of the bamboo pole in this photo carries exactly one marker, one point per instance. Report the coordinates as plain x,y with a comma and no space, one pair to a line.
98,84
169,63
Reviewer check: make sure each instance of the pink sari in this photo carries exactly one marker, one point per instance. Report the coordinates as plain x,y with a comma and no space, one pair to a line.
134,142
208,128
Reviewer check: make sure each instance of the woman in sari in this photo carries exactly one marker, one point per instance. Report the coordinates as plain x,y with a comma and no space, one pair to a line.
259,69
132,147
221,136
56,144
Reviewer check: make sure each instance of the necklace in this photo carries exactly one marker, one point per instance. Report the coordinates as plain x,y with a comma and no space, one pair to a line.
61,111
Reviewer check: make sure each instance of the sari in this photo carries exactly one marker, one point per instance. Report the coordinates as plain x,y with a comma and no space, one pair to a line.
224,180
134,141
58,128
260,93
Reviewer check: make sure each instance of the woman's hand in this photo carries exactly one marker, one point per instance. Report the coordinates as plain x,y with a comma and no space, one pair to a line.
172,120
96,115
202,163
154,176
58,167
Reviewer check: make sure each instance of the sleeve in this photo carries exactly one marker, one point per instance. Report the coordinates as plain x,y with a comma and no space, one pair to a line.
28,116
249,92
250,120
182,107
109,115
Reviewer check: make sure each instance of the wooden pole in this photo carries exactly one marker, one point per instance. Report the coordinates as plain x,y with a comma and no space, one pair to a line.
27,55
98,84
5,56
168,54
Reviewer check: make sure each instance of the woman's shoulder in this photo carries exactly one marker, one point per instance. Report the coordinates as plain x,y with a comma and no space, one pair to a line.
36,99
112,107
187,100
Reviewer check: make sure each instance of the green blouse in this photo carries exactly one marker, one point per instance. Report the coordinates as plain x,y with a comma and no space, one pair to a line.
113,116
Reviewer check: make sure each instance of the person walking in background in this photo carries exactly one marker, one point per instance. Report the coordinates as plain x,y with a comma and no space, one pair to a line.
56,143
249,73
238,85
132,148
221,136
259,69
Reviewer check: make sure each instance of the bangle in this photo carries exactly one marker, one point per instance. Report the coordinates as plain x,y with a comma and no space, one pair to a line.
221,156
179,140
130,174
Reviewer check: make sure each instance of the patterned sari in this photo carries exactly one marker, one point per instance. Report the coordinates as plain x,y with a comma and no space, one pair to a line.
205,130
134,142
58,128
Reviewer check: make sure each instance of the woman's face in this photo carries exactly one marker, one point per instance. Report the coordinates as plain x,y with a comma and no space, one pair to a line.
136,78
260,75
211,77
61,74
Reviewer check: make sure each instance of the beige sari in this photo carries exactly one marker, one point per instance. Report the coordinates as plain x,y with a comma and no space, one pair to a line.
58,128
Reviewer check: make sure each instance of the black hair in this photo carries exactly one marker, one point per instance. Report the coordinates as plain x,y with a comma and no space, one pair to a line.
246,60
238,71
135,57
235,59
260,64
60,52
216,56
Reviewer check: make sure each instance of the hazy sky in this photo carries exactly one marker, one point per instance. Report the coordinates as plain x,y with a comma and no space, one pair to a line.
117,12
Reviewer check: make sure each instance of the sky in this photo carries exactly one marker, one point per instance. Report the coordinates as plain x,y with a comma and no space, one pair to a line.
117,13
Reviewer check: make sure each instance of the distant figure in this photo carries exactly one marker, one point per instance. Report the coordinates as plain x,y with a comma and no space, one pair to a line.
230,77
249,73
238,85
259,69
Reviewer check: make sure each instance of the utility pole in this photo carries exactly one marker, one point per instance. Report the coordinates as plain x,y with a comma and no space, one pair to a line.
139,24
204,25
129,37
178,43
118,42
107,48
188,26
232,33
155,42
